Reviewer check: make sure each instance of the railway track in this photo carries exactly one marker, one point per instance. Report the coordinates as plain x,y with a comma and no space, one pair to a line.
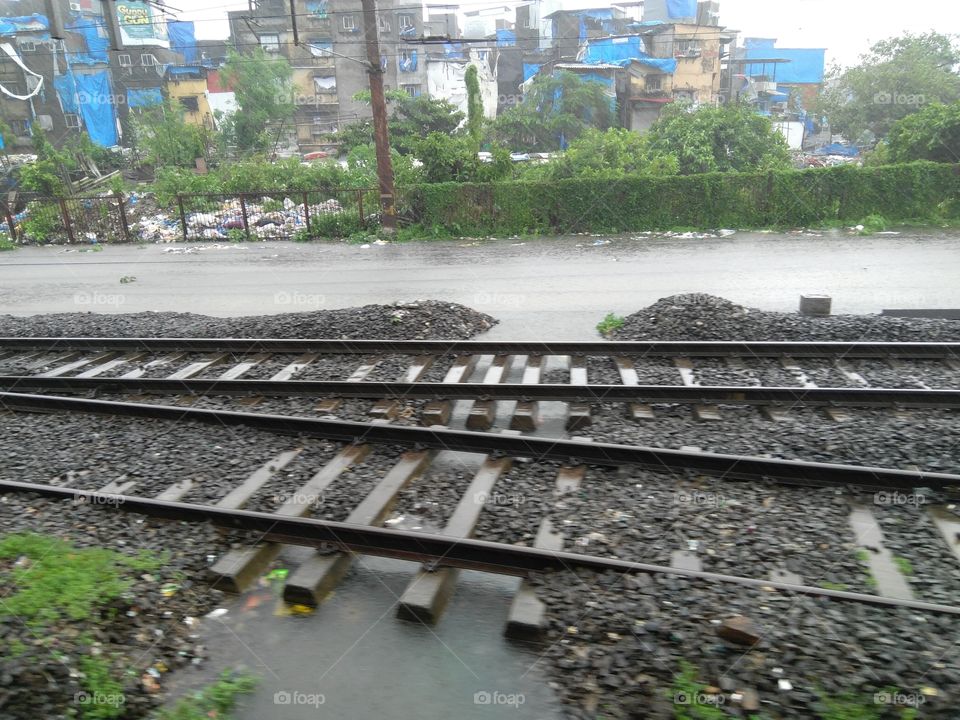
171,366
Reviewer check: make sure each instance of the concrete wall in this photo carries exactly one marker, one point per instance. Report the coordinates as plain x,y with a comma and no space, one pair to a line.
185,87
445,79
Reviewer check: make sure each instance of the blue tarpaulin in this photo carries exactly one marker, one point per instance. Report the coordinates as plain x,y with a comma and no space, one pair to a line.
837,149
506,38
66,87
24,24
96,41
677,9
621,51
95,107
806,64
453,51
410,63
183,39
144,97
185,70
530,69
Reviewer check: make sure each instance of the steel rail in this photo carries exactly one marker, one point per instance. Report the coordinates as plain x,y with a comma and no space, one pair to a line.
439,550
737,395
579,451
647,348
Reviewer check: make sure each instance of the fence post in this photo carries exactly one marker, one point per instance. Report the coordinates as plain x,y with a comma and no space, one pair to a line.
363,220
123,216
243,212
66,219
10,226
183,216
306,211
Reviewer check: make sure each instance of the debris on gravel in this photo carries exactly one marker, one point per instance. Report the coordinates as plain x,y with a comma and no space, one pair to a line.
420,320
698,316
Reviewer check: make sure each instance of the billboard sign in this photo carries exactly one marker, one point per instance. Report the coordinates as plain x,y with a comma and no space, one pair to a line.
139,25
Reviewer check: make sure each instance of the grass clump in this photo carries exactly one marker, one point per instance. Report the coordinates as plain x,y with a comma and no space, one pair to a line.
50,580
216,700
609,324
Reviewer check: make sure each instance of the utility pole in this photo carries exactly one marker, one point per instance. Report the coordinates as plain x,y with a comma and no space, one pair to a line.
381,134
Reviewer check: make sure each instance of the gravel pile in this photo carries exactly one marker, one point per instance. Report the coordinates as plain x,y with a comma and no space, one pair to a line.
876,437
698,316
616,646
421,320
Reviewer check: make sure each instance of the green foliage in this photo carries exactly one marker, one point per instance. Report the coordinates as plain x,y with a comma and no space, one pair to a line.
609,324
50,174
903,565
474,105
166,139
892,81
362,168
6,243
106,693
214,701
411,119
52,581
264,92
828,585
783,198
722,139
873,224
335,225
686,686
556,110
933,133
43,221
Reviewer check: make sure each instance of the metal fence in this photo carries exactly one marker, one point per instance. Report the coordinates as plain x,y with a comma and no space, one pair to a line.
267,215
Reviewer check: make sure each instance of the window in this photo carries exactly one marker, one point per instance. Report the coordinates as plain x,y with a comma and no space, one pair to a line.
482,55
687,48
72,121
270,43
191,103
411,90
384,25
148,60
654,83
348,23
124,60
405,22
27,45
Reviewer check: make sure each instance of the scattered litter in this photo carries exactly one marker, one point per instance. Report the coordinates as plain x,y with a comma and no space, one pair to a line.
601,242
784,685
219,612
278,574
126,279
301,609
169,590
365,246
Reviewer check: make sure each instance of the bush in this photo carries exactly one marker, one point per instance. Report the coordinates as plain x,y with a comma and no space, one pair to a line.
786,198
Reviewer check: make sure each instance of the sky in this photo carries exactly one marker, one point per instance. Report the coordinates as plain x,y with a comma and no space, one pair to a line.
846,28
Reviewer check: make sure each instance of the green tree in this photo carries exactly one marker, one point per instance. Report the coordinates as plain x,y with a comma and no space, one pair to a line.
264,91
933,133
555,111
411,119
50,173
166,139
893,80
448,158
728,138
474,105
613,153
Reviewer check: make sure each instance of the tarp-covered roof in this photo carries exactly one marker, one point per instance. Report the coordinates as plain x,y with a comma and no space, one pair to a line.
806,64
621,51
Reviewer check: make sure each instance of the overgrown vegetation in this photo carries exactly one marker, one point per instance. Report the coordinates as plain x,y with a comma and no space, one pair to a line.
609,324
686,694
264,92
166,139
932,133
49,580
216,700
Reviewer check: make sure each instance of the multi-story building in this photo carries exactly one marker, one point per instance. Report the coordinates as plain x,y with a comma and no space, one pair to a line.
330,62
73,68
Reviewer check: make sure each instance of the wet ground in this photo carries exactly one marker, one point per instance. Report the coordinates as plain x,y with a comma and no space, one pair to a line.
553,288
